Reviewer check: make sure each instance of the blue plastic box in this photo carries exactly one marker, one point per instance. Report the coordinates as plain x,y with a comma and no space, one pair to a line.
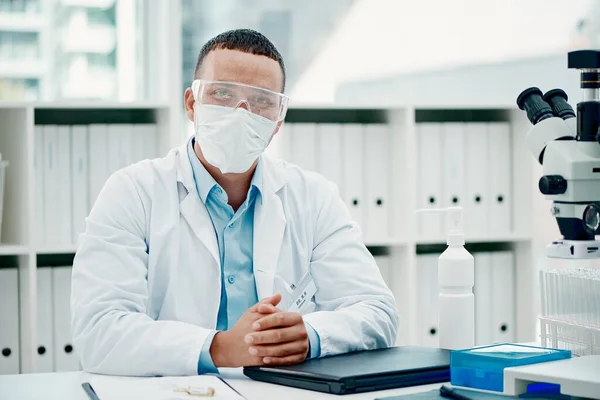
483,367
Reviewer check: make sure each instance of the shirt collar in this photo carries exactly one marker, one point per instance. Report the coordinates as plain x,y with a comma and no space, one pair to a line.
205,182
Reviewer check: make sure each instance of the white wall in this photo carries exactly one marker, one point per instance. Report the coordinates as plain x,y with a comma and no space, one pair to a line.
382,37
491,85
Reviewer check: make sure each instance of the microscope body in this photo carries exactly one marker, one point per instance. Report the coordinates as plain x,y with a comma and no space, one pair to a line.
568,147
574,162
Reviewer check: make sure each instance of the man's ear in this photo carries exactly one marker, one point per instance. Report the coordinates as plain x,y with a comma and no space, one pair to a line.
188,103
277,127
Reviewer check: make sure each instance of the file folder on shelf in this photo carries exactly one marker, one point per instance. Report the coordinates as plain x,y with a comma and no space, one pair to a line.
280,146
477,180
79,178
64,228
143,144
51,184
429,170
427,300
384,264
354,171
119,146
152,145
39,170
500,174
98,160
64,354
503,302
329,137
45,329
304,146
483,299
454,165
378,166
9,315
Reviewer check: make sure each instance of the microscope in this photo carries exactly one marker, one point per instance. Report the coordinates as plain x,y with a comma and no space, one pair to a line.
567,144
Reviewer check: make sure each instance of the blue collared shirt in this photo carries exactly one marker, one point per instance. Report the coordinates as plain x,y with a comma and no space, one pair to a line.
235,237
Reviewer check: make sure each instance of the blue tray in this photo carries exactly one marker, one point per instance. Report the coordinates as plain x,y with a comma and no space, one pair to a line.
483,367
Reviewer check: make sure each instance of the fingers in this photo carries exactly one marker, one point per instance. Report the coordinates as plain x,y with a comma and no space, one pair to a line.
272,300
280,350
278,320
282,335
289,360
267,309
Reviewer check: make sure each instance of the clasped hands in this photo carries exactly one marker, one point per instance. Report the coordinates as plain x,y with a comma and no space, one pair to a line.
263,335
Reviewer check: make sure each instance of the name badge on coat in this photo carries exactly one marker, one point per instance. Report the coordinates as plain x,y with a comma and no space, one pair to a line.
297,296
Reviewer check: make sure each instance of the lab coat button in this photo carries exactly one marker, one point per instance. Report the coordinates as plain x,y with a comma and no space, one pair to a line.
231,279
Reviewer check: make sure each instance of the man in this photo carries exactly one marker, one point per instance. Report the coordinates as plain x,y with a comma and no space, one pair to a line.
178,251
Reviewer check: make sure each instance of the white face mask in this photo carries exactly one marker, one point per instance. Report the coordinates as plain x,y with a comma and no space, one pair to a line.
231,139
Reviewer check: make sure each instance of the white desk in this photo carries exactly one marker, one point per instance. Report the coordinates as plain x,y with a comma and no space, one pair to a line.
67,386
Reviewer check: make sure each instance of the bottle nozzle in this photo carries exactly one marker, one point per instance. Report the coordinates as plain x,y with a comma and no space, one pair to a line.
454,222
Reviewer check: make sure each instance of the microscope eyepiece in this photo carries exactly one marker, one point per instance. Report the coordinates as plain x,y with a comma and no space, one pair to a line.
531,101
557,99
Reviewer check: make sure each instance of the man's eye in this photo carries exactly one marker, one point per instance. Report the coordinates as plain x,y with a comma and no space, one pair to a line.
263,101
223,93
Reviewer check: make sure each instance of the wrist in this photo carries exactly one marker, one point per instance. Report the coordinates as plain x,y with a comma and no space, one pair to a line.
218,350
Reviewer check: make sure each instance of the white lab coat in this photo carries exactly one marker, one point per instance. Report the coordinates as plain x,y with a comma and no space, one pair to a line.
146,277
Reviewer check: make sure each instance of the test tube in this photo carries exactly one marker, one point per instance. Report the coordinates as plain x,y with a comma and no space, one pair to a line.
575,297
553,290
543,292
595,298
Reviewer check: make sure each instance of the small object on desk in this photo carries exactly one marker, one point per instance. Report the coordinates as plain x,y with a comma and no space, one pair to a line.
89,390
106,387
450,393
483,367
198,391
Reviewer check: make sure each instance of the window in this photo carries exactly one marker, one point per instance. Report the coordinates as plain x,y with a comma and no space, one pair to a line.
299,29
70,50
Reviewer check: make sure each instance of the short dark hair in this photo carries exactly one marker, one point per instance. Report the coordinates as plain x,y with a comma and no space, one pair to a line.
246,40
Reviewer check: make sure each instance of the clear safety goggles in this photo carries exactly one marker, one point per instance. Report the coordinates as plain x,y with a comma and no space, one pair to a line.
263,102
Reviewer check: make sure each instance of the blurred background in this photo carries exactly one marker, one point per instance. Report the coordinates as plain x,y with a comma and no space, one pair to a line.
354,52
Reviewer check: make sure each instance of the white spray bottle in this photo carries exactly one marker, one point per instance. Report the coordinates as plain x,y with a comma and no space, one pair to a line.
456,277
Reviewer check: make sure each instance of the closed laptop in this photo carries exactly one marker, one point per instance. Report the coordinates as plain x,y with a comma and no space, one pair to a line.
362,371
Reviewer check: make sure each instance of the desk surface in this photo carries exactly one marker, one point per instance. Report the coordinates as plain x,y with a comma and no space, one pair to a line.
67,386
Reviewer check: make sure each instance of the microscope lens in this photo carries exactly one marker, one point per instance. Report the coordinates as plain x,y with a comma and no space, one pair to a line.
531,101
557,99
591,219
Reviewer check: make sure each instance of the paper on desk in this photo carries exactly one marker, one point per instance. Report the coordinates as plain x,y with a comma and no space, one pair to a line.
163,388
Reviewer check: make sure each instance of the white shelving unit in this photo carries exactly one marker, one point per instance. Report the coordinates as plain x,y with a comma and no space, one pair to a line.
17,122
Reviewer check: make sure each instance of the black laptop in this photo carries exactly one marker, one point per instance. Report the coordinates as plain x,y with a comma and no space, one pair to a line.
362,371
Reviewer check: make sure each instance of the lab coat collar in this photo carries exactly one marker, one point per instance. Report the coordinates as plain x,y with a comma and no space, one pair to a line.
269,228
272,177
269,219
191,207
205,183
